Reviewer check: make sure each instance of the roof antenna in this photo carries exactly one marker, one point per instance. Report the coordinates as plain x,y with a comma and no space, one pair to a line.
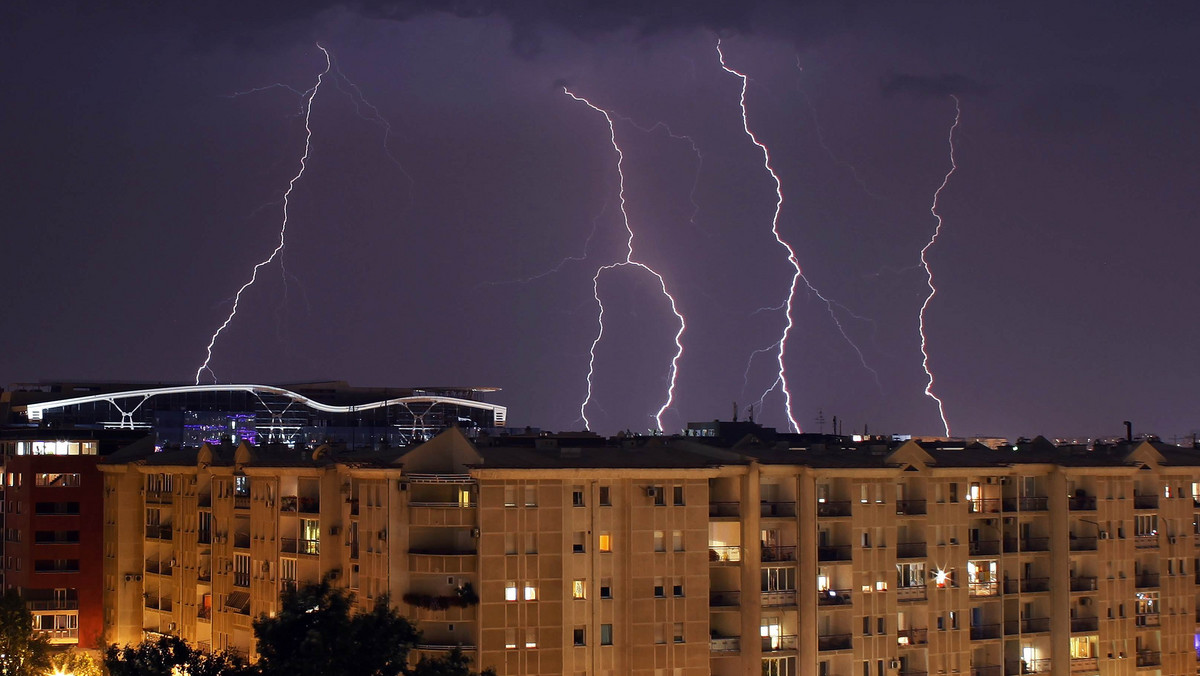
1128,431
750,409
735,411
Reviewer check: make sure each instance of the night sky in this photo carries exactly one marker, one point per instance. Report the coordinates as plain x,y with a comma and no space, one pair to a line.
140,189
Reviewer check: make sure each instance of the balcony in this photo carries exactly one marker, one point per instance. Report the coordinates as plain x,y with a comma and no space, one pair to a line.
833,553
53,604
724,554
724,599
910,507
294,546
984,632
975,589
241,540
773,644
727,645
1025,504
778,509
1148,541
830,642
1026,545
834,597
1084,664
779,553
445,647
912,637
241,502
158,497
833,509
988,506
910,550
914,593
1032,585
1040,666
983,547
204,500
989,670
1146,581
1082,503
1146,620
1149,658
241,579
1029,625
1145,502
1083,584
159,532
1078,544
785,597
1085,624
724,510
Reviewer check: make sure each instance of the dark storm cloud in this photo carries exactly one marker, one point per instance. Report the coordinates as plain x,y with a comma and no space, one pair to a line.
930,86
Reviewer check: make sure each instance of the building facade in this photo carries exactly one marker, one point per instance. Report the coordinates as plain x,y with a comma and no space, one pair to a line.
691,555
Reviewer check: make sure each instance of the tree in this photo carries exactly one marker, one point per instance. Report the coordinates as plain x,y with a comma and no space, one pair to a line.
315,634
170,656
75,663
23,651
454,664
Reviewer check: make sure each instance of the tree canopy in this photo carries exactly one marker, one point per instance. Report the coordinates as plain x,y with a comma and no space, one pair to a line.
169,656
23,651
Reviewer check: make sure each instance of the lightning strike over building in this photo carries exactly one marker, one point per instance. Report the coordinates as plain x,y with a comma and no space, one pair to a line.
933,209
629,261
283,228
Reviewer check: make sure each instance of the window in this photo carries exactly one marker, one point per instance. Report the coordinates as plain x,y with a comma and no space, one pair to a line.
287,570
530,592
530,638
578,589
954,619
510,638
310,536
605,542
677,587
606,588
660,544
241,570
660,497
677,540
531,496
580,636
953,492
881,626
510,500
606,635
577,542
510,543
677,630
577,496
531,543
241,485
866,626
660,634
677,494
510,591
658,587
605,498
44,480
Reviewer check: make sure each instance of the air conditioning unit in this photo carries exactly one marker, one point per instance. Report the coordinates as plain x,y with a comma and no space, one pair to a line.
991,480
475,532
382,534
335,530
172,563
128,577
1004,481
266,567
1171,539
1010,520
895,664
953,541
990,522
171,626
335,573
1085,601
402,484
228,566
651,491
1103,535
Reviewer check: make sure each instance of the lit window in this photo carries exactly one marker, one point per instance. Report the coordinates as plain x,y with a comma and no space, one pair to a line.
510,591
578,589
530,592
530,638
531,496
660,544
881,585
510,638
605,542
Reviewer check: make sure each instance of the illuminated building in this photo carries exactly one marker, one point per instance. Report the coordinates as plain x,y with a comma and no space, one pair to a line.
731,550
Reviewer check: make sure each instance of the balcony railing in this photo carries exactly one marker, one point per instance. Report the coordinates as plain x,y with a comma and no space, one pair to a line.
914,593
1030,585
1084,664
1026,545
834,597
771,644
984,506
1146,541
1078,544
987,670
833,509
1082,503
241,579
833,553
723,509
1149,658
910,550
786,597
724,553
725,644
779,553
1145,502
1039,666
1029,625
826,642
1146,620
1085,623
294,546
1147,581
52,604
912,636
1083,584
241,540
241,502
983,547
983,588
910,507
983,632
724,599
1025,504
770,509
159,531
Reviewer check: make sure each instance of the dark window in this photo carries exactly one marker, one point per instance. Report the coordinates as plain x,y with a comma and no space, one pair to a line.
678,494
605,499
660,497
577,497
605,590
606,634
580,636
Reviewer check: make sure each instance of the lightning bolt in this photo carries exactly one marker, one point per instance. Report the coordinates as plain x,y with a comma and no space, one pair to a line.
629,261
780,347
933,209
283,229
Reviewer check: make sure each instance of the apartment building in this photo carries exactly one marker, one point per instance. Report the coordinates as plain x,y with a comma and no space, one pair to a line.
728,551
